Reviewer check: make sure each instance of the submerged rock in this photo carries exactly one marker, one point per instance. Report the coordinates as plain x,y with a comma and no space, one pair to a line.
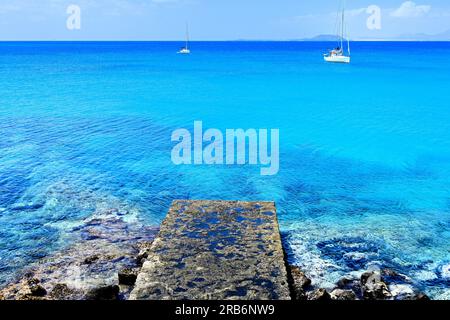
352,252
390,276
26,206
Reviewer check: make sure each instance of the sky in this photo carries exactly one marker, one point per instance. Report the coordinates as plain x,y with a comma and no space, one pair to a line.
217,19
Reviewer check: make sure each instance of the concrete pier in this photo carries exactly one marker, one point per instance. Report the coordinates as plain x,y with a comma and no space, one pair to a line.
215,250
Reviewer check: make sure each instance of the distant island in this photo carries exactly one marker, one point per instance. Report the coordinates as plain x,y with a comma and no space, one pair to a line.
444,36
323,38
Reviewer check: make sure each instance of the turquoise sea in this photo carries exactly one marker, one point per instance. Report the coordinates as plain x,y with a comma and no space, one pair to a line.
365,148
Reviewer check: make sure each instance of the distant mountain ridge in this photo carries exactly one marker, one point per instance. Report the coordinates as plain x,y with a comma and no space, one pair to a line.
323,37
443,36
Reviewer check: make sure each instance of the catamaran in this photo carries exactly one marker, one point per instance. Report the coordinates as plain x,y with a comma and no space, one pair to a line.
337,55
185,49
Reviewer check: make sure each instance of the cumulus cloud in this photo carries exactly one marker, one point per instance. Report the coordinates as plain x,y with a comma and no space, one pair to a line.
410,9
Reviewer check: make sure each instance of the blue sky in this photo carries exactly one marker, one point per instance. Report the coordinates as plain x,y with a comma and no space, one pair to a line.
215,19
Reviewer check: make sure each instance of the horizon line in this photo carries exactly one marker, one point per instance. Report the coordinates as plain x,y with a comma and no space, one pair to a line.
230,40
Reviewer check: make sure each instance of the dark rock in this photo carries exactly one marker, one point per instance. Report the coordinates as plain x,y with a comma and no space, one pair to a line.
144,249
128,276
352,284
339,294
373,287
91,260
354,252
345,282
319,295
141,257
110,292
36,289
26,206
299,277
422,297
390,275
299,282
62,292
91,234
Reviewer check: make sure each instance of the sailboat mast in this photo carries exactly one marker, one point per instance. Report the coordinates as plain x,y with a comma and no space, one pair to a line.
342,26
187,36
338,55
348,44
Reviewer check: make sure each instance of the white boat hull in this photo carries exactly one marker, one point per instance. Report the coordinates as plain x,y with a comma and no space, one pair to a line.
337,59
184,51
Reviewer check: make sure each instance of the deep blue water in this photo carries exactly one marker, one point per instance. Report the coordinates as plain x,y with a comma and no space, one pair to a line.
365,147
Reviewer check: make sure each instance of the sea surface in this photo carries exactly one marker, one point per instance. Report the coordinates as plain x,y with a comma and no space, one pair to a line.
364,175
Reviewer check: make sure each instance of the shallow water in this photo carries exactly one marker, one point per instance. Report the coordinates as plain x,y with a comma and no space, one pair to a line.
365,148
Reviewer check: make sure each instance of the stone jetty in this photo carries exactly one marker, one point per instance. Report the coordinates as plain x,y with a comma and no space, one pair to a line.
215,250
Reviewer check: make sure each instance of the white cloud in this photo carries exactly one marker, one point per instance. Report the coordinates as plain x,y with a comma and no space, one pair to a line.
410,9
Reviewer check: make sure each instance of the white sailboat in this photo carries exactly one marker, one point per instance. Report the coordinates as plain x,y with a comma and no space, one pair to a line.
185,49
337,55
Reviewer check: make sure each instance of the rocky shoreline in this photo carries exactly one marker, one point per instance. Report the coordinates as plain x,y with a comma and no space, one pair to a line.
372,285
37,285
100,265
101,286
105,263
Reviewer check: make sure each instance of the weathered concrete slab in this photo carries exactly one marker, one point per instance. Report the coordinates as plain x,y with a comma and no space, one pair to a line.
215,250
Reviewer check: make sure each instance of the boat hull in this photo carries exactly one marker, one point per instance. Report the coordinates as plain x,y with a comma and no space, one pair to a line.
337,59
